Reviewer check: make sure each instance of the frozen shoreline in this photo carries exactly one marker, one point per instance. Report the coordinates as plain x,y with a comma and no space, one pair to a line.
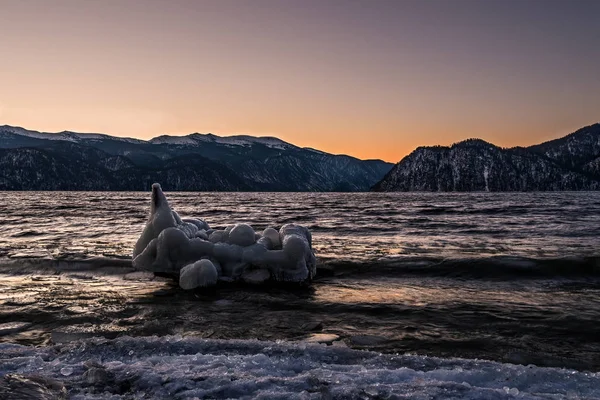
178,368
548,323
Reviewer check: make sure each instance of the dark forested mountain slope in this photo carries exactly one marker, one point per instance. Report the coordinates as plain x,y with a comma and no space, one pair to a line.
575,150
193,162
569,163
39,169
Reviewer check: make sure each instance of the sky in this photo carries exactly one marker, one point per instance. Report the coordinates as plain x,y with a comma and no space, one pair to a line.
369,78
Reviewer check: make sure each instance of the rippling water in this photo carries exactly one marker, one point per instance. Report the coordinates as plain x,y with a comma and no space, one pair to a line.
510,277
346,226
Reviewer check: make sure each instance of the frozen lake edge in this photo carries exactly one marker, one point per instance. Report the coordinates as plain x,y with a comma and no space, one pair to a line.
181,368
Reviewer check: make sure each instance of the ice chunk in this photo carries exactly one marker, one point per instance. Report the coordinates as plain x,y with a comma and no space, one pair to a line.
217,265
293,229
256,276
161,217
200,223
178,220
189,229
322,338
97,376
219,236
171,251
199,274
227,253
242,235
202,235
273,235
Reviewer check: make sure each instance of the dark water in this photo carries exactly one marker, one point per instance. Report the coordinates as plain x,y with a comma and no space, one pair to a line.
358,227
510,277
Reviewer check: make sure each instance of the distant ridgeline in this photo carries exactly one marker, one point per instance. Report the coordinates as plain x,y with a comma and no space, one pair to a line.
568,163
32,160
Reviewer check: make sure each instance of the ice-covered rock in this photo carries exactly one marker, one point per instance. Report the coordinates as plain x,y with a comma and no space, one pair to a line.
97,376
178,219
189,229
198,256
199,274
216,264
242,235
218,236
256,276
202,234
273,236
200,223
171,250
161,218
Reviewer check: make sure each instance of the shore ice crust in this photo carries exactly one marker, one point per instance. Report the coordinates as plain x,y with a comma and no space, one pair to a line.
181,368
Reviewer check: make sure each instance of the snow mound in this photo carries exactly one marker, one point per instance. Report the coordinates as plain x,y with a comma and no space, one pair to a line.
185,368
172,245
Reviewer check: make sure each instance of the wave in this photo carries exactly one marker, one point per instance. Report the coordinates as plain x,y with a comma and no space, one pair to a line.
97,265
27,233
494,267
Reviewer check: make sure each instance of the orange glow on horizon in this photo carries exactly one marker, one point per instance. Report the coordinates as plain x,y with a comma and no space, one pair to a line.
371,82
359,144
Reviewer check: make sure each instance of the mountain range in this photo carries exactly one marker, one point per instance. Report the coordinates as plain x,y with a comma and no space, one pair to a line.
569,163
31,160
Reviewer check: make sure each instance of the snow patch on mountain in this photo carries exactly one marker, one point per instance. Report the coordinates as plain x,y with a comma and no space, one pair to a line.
68,136
174,140
196,139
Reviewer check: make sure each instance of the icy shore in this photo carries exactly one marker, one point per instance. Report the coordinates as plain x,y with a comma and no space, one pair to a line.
181,368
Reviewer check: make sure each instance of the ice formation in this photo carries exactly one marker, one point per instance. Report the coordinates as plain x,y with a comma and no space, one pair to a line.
199,256
173,367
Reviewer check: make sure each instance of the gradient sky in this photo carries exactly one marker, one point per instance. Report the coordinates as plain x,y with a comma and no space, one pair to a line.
370,78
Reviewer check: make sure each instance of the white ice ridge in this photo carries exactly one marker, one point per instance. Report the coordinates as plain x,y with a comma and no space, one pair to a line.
173,367
200,256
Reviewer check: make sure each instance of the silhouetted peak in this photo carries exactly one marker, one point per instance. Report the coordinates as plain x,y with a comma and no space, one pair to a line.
473,142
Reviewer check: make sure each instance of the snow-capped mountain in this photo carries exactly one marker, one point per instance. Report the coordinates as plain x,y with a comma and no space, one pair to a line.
81,161
577,150
18,136
569,163
197,139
